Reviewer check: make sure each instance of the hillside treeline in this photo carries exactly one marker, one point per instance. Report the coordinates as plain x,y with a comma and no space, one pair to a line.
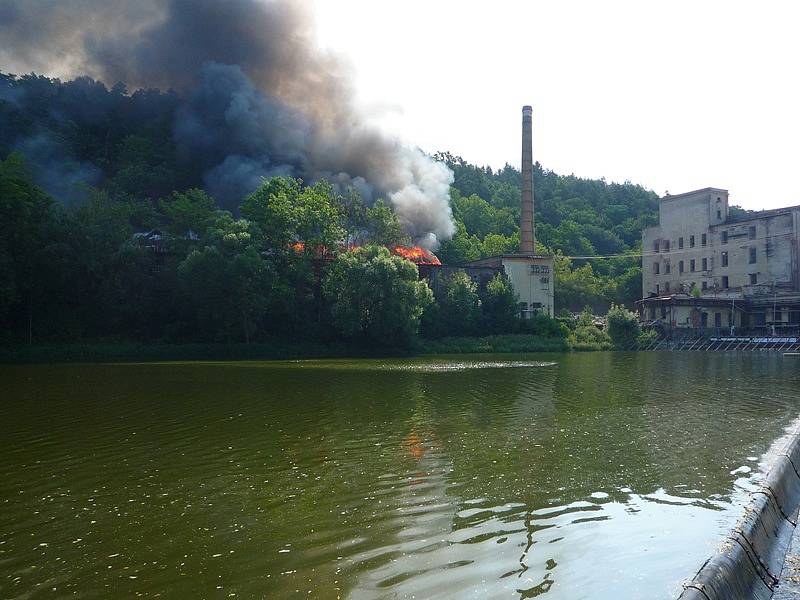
574,217
86,169
299,262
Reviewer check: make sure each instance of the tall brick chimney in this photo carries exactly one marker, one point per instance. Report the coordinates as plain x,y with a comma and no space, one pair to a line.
527,232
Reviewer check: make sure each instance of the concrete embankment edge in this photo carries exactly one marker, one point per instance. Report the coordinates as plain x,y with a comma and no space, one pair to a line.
748,563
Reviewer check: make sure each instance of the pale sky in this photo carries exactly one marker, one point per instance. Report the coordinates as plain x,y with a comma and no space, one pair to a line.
673,95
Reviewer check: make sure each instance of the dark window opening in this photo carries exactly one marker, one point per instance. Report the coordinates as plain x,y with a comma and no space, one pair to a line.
692,265
680,266
704,319
680,243
655,268
753,278
717,319
703,240
705,264
691,241
751,232
752,256
705,285
655,246
724,259
666,245
724,282
724,237
666,268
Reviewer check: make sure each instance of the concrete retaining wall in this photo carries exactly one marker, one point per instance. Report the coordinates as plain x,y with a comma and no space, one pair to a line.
749,561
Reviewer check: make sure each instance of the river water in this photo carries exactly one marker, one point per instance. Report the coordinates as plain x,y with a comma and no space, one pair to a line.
566,476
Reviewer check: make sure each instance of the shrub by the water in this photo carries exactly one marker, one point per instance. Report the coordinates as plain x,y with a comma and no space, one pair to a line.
623,326
587,336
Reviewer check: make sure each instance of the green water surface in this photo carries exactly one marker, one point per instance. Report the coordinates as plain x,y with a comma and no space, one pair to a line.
567,476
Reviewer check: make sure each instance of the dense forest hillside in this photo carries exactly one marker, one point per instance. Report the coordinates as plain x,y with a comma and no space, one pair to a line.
575,217
87,167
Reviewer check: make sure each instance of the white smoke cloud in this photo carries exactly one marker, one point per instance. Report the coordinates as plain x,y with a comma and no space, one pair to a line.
422,200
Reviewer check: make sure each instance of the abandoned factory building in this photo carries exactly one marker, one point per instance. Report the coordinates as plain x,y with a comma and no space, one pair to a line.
706,269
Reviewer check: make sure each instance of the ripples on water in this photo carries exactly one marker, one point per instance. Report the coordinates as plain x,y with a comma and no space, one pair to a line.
588,476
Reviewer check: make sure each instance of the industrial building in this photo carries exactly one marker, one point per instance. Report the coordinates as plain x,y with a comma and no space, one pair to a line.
706,271
530,274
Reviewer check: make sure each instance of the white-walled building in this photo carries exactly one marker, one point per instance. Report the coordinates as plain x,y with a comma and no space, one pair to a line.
531,275
704,268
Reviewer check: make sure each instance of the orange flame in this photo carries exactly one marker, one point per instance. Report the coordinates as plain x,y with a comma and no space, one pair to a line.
418,255
415,254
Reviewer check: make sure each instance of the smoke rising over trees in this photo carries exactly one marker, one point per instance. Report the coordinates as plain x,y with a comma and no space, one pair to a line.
252,97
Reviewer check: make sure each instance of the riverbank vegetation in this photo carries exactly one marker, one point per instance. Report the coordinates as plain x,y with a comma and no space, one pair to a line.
184,271
107,233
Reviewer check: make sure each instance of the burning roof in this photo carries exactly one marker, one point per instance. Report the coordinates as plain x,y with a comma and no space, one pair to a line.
415,254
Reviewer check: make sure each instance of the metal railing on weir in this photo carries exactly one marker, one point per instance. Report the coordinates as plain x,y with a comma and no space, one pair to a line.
721,343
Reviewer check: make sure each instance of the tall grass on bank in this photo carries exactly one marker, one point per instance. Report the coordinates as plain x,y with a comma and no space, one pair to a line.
493,343
281,350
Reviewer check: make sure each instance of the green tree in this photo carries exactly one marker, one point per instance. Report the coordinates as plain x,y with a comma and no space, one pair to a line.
36,260
495,244
462,248
587,336
354,215
456,310
271,209
286,212
623,326
376,297
192,210
578,287
227,285
500,305
383,226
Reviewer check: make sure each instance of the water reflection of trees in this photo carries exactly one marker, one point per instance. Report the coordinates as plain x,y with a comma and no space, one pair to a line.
368,479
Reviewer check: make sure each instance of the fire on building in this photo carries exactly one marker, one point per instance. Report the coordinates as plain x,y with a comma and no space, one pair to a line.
530,274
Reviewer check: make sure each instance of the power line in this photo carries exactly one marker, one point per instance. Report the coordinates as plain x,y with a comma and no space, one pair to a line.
671,252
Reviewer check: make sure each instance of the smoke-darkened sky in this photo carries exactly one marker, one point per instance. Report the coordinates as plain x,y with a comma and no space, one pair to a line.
258,97
674,96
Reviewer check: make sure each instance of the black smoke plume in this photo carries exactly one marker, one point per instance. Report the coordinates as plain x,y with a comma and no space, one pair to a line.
257,97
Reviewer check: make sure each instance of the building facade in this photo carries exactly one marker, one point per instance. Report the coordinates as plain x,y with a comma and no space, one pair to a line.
703,268
532,277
